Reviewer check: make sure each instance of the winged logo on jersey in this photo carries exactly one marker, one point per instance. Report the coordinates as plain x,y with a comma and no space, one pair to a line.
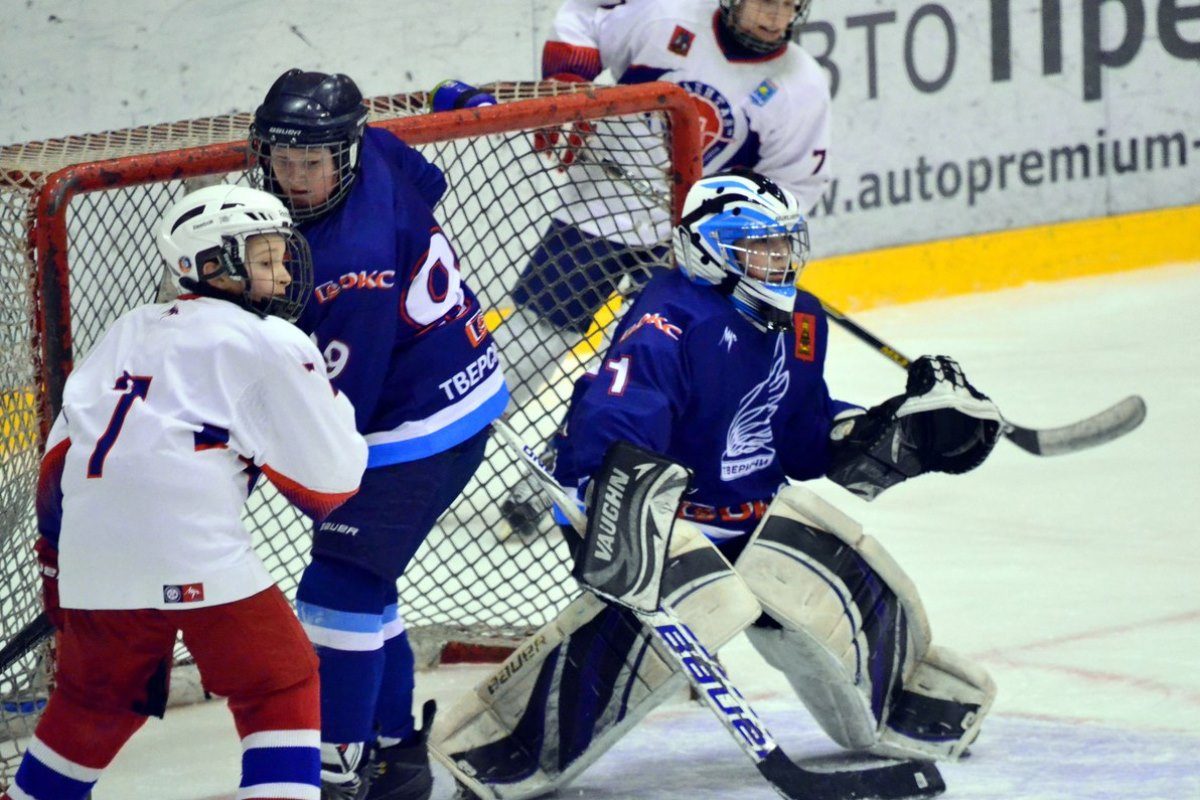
749,444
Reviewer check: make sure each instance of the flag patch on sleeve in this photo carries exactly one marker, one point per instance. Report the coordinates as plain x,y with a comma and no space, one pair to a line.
681,41
764,92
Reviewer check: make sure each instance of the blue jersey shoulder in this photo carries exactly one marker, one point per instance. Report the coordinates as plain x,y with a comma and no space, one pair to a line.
407,165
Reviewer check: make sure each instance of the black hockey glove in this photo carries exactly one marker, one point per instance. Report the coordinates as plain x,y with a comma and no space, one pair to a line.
940,424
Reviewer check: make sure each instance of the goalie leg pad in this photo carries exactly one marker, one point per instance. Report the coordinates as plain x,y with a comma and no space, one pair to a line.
940,710
703,590
570,691
848,630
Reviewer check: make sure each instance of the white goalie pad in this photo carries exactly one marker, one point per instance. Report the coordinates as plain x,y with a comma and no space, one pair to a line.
703,590
571,690
852,636
940,710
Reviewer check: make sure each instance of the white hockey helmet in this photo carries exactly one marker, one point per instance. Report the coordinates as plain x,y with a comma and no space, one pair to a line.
213,224
746,236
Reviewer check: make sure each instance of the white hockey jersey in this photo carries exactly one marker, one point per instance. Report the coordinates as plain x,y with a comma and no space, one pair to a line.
165,428
768,113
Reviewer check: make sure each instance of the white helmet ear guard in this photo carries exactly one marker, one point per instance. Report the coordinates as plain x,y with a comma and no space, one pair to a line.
213,224
745,235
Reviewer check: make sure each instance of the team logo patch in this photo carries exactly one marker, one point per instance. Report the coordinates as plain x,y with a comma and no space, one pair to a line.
717,125
656,321
184,593
378,279
806,336
764,92
750,440
185,265
729,339
477,329
681,41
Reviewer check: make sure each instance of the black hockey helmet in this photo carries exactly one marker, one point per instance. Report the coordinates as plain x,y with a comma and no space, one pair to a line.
310,110
729,10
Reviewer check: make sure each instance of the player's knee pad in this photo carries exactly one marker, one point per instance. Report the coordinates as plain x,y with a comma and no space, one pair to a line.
574,688
851,635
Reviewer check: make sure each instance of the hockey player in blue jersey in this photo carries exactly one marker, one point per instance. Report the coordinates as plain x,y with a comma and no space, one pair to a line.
719,366
404,338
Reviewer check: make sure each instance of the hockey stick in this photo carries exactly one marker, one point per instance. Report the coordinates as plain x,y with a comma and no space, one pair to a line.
26,639
891,781
1111,423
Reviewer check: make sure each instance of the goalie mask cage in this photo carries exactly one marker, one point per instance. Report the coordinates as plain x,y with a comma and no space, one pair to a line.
77,250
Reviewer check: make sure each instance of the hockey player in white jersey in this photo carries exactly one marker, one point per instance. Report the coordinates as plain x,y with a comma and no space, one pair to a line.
166,426
764,104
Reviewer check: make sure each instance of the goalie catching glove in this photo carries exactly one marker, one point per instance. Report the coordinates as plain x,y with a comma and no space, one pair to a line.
940,424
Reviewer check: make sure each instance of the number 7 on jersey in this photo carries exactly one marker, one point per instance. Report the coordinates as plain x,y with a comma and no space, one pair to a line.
133,387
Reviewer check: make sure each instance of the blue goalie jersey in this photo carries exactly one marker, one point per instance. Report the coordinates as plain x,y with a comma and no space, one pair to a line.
688,377
401,333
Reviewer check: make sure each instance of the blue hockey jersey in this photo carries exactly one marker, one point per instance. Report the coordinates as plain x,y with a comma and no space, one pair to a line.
401,333
689,377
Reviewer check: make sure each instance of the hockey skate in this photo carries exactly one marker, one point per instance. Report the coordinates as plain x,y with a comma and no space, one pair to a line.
401,772
345,772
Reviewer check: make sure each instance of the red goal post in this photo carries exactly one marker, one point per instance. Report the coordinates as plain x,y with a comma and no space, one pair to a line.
76,251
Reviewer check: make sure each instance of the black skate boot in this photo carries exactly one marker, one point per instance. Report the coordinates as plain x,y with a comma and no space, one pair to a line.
401,772
345,772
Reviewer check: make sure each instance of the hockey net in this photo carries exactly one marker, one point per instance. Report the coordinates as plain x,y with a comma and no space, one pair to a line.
76,251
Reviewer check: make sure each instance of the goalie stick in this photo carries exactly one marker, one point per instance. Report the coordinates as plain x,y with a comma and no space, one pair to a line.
1111,423
889,781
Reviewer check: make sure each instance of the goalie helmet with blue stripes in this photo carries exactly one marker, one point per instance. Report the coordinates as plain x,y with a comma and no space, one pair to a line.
744,235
